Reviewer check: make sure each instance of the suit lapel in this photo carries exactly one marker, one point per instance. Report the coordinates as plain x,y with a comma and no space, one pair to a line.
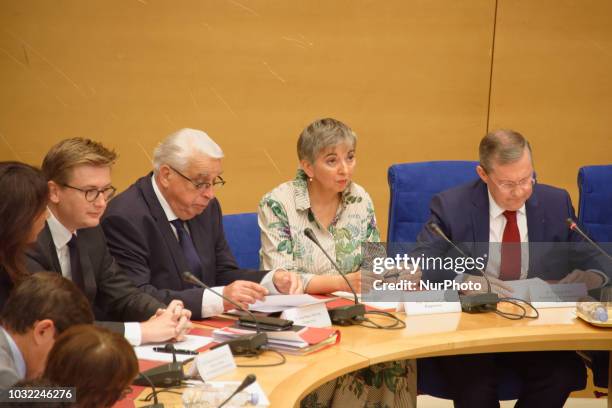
199,241
480,219
146,188
89,278
45,240
536,225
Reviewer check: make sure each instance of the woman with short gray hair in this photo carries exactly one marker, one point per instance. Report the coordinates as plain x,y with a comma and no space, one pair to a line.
323,198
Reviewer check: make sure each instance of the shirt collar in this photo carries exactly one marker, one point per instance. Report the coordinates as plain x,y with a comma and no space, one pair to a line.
495,210
20,364
302,199
170,215
60,234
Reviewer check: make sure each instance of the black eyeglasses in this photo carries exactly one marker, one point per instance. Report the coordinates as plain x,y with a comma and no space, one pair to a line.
216,183
92,194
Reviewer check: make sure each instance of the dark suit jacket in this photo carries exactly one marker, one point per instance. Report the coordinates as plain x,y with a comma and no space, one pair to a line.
141,239
463,214
112,295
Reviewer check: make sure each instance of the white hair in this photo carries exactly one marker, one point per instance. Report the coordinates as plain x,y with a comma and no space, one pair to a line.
178,148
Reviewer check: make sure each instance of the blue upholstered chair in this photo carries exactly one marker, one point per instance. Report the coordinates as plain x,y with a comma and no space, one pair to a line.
412,186
595,214
595,204
243,236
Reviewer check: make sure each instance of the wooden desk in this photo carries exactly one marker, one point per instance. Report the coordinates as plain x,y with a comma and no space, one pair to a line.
424,336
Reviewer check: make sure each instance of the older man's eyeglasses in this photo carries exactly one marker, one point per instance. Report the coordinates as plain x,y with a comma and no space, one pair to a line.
201,186
92,194
509,186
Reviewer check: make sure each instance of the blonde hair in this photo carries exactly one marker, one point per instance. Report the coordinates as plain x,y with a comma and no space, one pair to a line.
70,153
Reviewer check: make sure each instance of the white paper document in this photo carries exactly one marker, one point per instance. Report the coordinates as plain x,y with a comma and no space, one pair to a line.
191,343
543,294
278,303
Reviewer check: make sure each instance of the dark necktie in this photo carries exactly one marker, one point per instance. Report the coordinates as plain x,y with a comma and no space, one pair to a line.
189,250
510,266
75,263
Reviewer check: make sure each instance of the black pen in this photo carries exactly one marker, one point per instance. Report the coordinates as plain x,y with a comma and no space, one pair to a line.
177,351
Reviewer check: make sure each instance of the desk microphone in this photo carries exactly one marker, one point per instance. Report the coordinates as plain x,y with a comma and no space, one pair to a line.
343,315
166,375
574,227
481,302
249,344
156,403
249,379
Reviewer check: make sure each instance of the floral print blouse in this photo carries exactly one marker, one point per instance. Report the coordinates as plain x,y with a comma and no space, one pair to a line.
284,213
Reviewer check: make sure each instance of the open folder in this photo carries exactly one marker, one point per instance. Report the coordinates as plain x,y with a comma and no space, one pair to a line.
298,340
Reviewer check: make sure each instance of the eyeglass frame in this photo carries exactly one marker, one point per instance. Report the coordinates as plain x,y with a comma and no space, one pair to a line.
509,186
98,192
201,186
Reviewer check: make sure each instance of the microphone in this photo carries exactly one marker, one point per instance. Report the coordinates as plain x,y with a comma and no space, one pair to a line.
248,344
156,403
249,379
476,303
343,315
574,227
166,375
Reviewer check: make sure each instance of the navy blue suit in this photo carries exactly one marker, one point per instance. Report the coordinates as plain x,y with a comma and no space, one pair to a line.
554,250
463,214
144,245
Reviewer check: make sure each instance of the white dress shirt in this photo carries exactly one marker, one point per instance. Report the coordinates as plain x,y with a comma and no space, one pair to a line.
497,224
61,236
212,304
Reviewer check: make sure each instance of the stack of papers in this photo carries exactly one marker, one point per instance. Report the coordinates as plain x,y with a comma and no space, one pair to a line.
279,303
299,340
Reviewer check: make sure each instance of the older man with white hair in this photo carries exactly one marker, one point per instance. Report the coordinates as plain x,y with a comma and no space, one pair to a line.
169,221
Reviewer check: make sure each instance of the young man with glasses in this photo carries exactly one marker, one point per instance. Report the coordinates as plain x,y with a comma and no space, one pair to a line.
169,222
73,244
508,219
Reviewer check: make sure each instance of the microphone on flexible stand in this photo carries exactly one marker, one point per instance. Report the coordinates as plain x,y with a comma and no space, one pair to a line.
574,227
476,303
343,315
148,381
249,344
249,379
166,375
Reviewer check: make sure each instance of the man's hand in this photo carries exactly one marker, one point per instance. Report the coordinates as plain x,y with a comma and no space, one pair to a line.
287,282
592,280
167,324
497,286
244,293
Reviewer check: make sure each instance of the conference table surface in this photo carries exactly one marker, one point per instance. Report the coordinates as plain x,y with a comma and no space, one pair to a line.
424,336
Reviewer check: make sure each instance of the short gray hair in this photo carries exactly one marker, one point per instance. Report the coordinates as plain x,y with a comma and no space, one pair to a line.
321,134
177,149
502,146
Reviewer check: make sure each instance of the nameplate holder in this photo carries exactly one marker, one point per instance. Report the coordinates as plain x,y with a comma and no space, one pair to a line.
213,363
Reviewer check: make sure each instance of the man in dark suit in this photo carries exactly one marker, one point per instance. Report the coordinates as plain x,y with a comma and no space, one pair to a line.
169,222
38,309
73,244
503,210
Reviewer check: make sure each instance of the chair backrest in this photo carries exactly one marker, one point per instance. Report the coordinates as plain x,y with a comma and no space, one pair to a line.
243,236
595,204
412,186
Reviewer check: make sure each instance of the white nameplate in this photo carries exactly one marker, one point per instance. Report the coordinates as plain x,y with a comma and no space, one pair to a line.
431,302
312,315
420,308
215,362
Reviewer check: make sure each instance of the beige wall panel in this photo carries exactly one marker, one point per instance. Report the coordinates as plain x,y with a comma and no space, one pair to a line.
411,77
552,82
